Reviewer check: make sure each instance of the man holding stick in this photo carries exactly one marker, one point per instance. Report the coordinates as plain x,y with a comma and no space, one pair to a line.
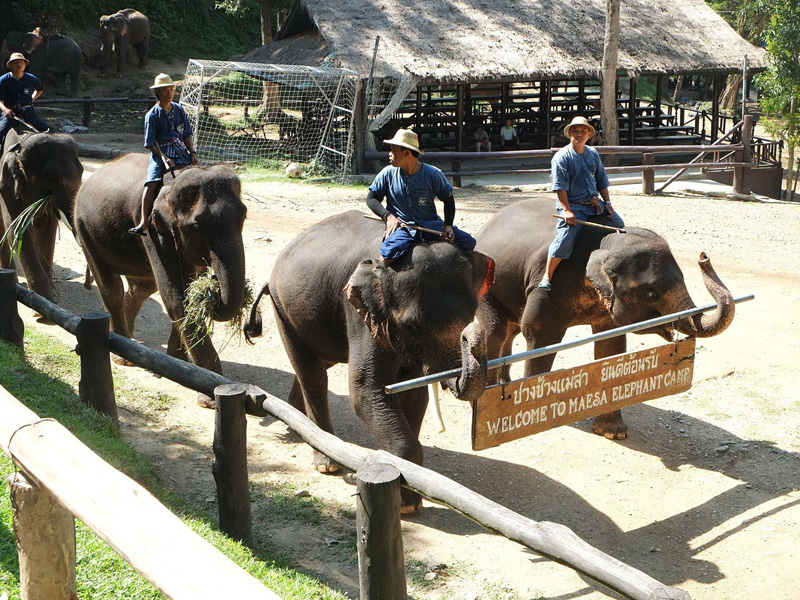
410,187
578,179
168,137
18,91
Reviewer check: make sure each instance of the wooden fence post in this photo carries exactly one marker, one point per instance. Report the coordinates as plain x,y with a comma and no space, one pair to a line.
648,175
12,329
45,533
456,173
230,462
96,387
87,112
741,175
381,569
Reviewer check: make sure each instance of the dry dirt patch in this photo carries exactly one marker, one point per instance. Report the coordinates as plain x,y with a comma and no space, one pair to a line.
703,495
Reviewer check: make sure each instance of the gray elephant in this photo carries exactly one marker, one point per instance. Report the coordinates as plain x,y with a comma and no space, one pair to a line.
36,166
57,55
335,305
197,223
611,280
120,31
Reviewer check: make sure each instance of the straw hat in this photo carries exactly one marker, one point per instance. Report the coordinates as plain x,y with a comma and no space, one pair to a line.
162,80
17,56
579,121
405,138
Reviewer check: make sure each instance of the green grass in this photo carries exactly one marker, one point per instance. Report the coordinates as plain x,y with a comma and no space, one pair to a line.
45,381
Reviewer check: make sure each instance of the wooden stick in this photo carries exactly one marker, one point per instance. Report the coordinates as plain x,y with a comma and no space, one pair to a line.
590,224
417,227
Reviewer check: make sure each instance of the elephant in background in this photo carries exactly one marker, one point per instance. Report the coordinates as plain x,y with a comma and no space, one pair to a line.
36,166
333,304
119,31
197,222
57,55
610,280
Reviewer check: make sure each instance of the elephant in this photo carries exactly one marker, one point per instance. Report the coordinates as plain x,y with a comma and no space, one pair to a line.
57,55
197,223
36,166
611,280
334,304
124,28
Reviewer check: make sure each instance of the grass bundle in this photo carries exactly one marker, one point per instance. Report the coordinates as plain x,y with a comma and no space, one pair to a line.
20,225
202,295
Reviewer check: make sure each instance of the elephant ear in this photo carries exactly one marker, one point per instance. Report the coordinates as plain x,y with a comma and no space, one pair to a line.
121,25
597,272
12,177
482,274
365,292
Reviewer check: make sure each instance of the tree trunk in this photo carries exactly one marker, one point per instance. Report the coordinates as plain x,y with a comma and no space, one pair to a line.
789,137
266,21
608,97
729,95
678,88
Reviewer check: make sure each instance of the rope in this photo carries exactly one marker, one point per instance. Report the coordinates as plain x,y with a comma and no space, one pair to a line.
11,439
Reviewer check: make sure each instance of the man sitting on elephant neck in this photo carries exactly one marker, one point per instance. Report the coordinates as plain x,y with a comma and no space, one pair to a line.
409,187
168,136
18,91
578,178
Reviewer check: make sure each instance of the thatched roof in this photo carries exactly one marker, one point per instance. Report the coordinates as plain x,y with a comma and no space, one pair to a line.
474,40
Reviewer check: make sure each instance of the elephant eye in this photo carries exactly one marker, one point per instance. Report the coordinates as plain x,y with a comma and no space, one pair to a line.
651,295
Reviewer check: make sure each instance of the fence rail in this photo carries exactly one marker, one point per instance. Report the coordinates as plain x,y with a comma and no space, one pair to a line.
552,540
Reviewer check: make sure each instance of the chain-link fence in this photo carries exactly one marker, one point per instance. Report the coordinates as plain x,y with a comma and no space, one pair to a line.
246,112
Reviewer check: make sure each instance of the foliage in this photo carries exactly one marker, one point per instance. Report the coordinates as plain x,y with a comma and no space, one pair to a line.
46,382
235,86
181,28
780,83
16,230
747,17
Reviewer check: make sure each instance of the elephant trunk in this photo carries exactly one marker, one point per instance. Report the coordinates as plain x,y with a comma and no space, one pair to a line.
227,261
472,381
708,325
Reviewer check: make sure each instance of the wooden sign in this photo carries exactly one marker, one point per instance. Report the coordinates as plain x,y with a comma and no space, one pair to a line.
538,403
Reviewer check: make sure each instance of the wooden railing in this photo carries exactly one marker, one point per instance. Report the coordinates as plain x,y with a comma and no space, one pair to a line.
378,472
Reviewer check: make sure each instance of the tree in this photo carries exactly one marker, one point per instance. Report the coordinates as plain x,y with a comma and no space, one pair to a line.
608,95
266,21
780,83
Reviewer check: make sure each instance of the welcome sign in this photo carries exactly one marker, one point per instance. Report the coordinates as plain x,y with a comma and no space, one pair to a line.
538,403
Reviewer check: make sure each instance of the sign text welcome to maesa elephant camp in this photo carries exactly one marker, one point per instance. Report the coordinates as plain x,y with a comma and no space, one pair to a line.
538,403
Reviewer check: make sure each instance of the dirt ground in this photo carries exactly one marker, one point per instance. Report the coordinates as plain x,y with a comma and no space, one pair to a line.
703,495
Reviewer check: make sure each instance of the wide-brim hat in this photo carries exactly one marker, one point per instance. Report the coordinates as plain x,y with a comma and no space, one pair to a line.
579,121
162,80
405,138
16,56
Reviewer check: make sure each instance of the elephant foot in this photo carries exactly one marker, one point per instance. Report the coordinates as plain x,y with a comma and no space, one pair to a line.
122,361
324,464
611,426
410,509
206,401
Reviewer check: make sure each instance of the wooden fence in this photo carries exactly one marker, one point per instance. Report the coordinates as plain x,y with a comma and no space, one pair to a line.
381,568
740,157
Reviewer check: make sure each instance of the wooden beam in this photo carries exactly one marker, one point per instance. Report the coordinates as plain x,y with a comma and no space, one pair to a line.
632,111
96,386
180,563
12,329
460,117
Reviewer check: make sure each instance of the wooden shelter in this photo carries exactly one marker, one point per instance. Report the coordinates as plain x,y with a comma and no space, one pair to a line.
444,66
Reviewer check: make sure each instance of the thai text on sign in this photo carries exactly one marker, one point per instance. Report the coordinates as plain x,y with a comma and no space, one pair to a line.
527,406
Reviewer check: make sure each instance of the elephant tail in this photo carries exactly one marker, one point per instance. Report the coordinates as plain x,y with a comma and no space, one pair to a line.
253,327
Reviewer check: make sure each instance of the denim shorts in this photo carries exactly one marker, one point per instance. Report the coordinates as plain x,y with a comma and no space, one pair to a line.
403,239
156,169
567,235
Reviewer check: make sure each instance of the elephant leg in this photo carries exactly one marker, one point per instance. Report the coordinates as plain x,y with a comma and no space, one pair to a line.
610,424
541,325
296,396
39,279
394,420
122,56
143,51
139,290
45,242
61,79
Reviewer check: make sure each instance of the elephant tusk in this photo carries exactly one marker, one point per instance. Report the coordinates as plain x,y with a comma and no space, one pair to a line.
434,392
